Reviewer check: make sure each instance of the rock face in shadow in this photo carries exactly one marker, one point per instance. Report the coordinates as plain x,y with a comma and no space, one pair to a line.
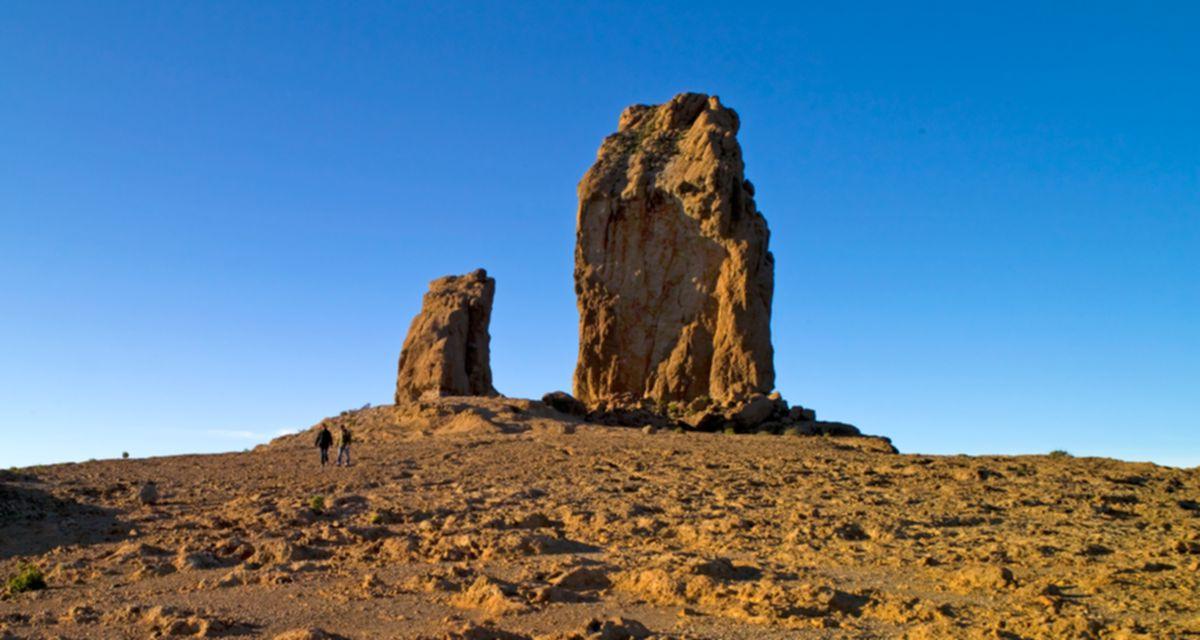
673,275
447,351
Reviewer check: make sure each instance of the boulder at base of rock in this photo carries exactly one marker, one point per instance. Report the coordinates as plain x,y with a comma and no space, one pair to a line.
801,414
706,421
672,270
836,428
756,410
564,402
447,351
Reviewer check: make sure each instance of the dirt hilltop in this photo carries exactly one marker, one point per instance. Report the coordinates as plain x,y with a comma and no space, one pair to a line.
502,518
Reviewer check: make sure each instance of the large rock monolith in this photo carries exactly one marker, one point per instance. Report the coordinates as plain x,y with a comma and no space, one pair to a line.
672,270
447,350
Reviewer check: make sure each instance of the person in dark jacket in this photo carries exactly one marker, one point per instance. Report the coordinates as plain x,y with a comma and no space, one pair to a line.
344,446
324,441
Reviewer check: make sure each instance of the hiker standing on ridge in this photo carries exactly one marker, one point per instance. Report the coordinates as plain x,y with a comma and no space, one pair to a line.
344,446
324,441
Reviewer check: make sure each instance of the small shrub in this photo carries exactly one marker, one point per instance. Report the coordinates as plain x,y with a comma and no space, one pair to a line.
124,455
317,504
1059,453
730,430
29,578
792,431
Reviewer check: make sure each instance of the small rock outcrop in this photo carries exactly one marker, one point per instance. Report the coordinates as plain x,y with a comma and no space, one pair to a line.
447,350
564,402
148,493
673,275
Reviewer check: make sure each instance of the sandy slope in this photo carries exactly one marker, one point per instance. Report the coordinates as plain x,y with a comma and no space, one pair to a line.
499,518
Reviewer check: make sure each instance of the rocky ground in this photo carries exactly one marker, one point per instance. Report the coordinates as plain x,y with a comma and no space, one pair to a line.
503,519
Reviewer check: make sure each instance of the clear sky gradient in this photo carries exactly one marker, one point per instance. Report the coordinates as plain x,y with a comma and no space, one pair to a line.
218,218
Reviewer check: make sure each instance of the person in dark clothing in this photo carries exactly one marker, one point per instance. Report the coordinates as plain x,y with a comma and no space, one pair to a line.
324,441
344,446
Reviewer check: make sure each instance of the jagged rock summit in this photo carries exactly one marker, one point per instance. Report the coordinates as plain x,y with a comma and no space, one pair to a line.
672,270
447,350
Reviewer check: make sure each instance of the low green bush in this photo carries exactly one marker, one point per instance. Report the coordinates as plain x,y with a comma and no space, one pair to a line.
29,578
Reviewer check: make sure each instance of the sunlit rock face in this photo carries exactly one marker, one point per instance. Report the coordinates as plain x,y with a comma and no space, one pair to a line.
447,350
673,275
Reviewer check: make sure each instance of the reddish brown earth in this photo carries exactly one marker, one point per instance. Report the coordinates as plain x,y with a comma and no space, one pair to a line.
498,518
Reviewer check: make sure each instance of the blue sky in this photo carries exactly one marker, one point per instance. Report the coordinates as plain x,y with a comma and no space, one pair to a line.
217,219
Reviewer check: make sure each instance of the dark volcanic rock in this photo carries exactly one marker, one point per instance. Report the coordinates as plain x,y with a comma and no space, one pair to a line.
564,402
